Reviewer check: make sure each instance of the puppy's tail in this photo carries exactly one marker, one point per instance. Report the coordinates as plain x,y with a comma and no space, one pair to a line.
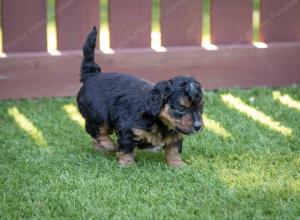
88,65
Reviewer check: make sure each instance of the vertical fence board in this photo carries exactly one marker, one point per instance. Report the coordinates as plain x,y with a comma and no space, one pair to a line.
231,21
129,23
280,20
24,25
181,22
74,20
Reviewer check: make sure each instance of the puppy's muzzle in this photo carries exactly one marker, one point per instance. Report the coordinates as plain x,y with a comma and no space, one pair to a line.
197,125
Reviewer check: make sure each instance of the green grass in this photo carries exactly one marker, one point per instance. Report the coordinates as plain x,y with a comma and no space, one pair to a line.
255,173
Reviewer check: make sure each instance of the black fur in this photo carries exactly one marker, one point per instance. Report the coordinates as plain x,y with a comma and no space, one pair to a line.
122,102
88,66
157,97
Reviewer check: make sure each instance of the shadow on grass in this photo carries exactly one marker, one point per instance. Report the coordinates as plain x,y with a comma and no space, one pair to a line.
252,175
262,99
249,137
65,135
18,131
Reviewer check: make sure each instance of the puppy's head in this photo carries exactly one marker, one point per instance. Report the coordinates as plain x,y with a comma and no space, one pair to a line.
178,103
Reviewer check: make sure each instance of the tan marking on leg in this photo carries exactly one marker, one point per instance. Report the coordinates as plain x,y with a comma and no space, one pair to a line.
126,159
173,157
104,142
153,136
172,138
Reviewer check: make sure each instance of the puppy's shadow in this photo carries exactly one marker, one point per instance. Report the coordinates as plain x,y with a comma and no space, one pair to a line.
142,156
150,157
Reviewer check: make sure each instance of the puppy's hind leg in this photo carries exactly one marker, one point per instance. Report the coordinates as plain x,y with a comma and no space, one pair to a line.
101,138
126,151
104,141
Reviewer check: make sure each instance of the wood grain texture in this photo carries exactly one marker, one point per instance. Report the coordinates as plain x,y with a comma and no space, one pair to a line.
24,25
74,20
231,21
241,66
129,23
181,22
280,20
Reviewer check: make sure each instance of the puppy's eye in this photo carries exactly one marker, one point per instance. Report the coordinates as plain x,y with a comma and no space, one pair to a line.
181,108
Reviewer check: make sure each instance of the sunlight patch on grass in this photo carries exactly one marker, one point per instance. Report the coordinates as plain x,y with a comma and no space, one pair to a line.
73,113
286,100
257,169
235,178
216,127
256,115
239,178
26,125
269,171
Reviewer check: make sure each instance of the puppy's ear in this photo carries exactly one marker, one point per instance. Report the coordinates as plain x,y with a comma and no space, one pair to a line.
157,97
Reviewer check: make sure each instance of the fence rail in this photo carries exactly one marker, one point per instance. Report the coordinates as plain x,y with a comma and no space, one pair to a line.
28,70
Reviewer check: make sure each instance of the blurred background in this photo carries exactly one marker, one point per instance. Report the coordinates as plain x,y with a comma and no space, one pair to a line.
155,35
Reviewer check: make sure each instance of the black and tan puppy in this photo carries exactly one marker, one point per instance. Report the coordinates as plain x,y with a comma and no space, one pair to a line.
141,114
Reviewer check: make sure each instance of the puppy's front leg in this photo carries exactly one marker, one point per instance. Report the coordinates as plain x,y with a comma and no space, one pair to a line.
173,153
126,149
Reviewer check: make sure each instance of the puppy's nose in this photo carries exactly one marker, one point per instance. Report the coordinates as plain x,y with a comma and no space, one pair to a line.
197,125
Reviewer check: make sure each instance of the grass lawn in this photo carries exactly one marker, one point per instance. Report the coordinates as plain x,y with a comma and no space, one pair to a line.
246,164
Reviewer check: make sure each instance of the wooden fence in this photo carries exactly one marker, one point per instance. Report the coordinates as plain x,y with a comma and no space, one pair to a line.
28,70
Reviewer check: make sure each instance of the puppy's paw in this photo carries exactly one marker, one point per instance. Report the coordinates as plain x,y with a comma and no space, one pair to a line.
176,163
173,157
107,147
126,160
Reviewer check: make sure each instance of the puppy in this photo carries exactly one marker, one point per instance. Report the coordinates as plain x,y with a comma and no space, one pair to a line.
141,114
